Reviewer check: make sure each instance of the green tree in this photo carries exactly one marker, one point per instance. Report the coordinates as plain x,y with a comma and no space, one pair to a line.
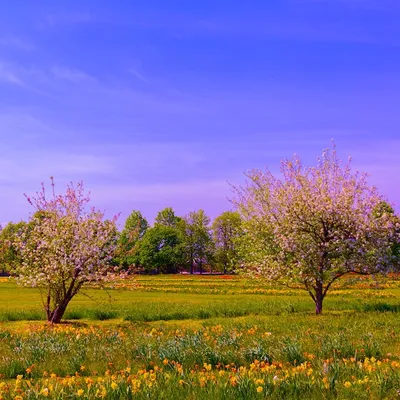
134,230
226,230
167,217
198,244
382,210
10,255
161,249
314,225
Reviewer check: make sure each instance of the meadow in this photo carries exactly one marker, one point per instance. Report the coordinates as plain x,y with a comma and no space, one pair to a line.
203,337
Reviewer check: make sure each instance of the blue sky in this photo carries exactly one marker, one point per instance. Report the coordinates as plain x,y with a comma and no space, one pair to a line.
156,104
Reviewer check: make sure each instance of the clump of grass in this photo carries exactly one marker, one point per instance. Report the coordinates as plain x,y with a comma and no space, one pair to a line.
292,351
102,315
337,345
75,314
258,352
381,307
13,367
21,315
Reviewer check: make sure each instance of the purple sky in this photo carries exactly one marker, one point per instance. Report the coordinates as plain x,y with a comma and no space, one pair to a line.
156,104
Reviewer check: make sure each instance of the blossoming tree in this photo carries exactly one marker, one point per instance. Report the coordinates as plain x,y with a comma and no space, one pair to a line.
65,246
314,225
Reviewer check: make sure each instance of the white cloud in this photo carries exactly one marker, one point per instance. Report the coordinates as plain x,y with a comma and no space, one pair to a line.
72,75
138,75
67,18
16,43
9,75
37,165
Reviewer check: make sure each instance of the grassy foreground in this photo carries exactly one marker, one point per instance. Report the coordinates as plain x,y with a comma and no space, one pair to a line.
197,337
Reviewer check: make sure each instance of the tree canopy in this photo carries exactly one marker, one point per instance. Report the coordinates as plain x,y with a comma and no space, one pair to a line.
10,256
314,225
226,230
161,249
167,217
134,229
199,247
65,247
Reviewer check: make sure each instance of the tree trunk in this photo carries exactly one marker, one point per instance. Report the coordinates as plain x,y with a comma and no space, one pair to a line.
55,316
319,297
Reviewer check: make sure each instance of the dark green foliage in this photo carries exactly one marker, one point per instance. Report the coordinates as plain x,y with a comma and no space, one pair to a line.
226,230
167,217
161,250
10,256
198,243
134,230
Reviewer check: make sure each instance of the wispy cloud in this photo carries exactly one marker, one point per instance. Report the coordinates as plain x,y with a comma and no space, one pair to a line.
38,165
105,95
299,20
359,4
166,191
72,75
9,75
67,18
16,43
138,75
29,78
183,196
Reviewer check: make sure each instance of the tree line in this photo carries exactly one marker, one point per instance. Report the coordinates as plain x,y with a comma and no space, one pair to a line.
176,244
304,229
173,244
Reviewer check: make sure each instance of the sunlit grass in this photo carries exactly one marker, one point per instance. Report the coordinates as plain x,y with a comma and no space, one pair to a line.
141,340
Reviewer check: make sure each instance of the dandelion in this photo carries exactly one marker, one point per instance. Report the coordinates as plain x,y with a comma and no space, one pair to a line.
259,389
347,384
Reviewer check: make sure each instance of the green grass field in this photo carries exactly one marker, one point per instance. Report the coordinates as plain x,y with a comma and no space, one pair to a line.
203,337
